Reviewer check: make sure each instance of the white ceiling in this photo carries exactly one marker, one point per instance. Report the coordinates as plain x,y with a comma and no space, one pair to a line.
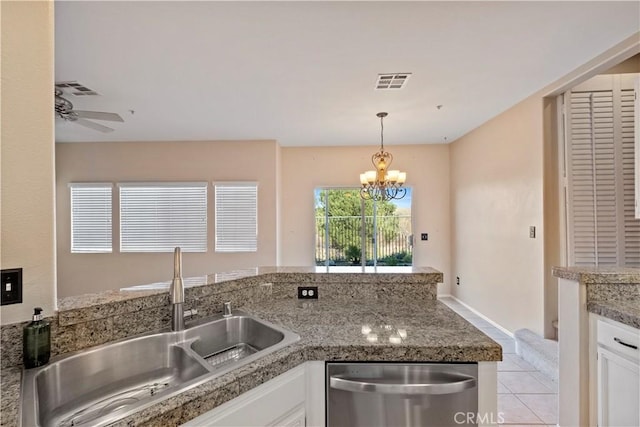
303,73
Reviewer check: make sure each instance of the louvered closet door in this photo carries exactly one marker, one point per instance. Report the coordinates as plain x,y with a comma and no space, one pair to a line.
631,223
600,152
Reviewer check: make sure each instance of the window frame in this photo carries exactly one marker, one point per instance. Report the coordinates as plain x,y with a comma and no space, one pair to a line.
375,267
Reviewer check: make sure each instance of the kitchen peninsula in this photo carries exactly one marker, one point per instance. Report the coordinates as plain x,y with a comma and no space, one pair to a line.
335,327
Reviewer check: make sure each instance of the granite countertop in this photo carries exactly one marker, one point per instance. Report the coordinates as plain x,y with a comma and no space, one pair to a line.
623,311
612,292
9,396
616,301
239,278
588,275
329,329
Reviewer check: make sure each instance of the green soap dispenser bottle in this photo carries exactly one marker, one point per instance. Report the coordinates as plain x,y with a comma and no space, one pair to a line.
36,341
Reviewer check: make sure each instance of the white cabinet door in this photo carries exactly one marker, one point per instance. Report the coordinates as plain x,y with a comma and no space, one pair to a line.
278,402
618,390
315,404
295,418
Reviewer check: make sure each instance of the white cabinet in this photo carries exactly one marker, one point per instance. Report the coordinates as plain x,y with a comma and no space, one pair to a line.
292,399
618,384
618,374
278,402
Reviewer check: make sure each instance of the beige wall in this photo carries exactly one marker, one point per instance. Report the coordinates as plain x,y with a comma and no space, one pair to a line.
631,65
427,167
496,194
161,161
28,235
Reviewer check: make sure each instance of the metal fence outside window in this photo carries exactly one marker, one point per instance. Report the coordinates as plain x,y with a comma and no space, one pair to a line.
340,241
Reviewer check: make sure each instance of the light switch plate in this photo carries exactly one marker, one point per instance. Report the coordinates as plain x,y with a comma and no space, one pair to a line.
532,231
11,286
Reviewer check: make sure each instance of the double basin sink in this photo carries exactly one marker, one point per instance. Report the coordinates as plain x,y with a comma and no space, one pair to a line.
100,385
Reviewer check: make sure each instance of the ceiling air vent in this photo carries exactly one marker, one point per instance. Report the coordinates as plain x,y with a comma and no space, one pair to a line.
392,81
75,88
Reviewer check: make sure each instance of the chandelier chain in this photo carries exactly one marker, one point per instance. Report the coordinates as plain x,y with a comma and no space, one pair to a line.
381,133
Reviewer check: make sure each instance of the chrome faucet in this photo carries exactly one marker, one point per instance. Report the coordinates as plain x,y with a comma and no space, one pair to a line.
226,309
176,293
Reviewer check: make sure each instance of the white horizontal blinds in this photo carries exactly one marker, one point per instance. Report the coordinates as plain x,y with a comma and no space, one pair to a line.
236,217
631,225
91,220
602,230
157,217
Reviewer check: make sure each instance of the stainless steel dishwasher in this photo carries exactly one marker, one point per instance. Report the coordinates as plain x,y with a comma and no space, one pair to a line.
399,395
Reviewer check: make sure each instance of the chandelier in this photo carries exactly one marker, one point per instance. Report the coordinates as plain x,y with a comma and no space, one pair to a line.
382,184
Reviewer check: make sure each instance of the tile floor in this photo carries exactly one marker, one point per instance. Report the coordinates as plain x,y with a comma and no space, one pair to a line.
526,397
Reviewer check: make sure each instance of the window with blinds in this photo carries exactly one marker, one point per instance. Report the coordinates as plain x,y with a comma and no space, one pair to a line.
91,219
236,217
600,155
157,217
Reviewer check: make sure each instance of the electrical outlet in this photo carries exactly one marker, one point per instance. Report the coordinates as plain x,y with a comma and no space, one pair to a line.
532,231
458,280
424,236
307,292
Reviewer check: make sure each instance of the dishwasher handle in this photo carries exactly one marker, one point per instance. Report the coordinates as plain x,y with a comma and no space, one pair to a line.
445,383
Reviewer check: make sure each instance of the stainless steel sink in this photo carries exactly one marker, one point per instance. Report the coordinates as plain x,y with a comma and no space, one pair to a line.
227,340
103,384
85,386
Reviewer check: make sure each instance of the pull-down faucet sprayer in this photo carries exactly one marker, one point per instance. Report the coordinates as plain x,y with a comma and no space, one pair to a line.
176,293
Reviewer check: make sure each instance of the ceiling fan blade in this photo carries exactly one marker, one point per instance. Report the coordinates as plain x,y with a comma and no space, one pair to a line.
98,115
91,125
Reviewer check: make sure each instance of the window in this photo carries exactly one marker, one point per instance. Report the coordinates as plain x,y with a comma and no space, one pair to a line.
91,217
236,217
157,217
354,232
600,150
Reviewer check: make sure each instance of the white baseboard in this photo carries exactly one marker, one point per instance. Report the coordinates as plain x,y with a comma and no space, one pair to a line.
477,313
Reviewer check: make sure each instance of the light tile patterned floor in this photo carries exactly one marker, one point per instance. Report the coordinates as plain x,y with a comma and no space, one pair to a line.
526,397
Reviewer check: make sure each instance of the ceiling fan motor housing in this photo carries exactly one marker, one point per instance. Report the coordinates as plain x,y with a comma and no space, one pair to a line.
63,106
